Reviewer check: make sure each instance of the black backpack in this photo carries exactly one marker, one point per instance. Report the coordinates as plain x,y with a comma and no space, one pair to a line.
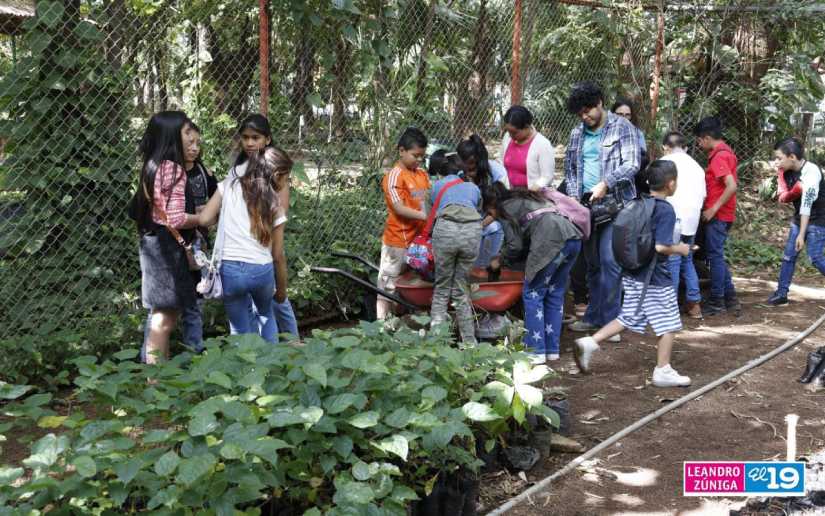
633,242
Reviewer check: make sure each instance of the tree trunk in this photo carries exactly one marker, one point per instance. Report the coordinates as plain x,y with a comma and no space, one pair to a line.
527,41
341,70
163,92
471,94
303,68
231,72
421,68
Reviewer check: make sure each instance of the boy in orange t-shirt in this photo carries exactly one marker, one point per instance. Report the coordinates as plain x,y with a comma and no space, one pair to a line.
405,191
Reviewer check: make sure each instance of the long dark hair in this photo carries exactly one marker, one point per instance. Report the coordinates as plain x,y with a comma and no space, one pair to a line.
258,123
260,185
161,142
499,194
473,147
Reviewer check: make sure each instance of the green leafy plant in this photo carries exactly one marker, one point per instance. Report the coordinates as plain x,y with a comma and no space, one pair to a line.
354,421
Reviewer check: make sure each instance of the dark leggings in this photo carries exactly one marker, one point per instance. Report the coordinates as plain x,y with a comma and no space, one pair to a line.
578,280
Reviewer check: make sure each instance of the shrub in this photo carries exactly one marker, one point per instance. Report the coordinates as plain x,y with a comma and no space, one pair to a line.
356,421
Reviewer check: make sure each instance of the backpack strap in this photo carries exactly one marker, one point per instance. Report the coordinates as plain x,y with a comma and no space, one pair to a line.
527,217
431,217
650,205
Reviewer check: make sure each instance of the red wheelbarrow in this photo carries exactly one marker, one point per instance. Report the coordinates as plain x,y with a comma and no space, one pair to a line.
416,294
489,296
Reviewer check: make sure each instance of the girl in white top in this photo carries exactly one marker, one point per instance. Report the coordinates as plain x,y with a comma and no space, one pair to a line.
252,247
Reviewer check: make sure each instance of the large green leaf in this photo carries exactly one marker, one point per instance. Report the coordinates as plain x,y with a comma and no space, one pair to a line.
396,444
350,491
203,424
342,445
46,451
12,392
85,466
9,475
399,418
317,372
127,470
265,448
190,470
530,395
167,463
364,419
340,402
434,394
524,372
479,412
219,378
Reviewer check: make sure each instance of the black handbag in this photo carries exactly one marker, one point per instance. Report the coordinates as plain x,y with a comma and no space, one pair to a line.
605,209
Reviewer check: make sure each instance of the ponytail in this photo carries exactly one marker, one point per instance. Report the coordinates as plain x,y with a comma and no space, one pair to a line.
260,185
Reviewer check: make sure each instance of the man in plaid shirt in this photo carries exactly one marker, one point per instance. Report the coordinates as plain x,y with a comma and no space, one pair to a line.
603,152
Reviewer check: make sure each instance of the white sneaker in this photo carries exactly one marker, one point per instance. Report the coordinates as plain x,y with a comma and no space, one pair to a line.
553,357
668,377
615,338
537,358
585,347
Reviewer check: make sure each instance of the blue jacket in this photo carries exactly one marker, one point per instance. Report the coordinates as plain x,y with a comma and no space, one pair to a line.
619,154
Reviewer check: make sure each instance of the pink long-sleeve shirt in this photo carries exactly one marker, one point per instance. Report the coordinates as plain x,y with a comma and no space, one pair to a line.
170,195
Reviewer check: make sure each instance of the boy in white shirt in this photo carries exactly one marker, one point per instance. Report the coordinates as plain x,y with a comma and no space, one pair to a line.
687,202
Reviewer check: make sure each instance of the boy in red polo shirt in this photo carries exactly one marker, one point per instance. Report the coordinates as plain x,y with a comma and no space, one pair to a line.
718,213
405,190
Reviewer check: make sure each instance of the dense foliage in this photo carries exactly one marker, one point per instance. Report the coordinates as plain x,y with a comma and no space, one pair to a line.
345,76
356,421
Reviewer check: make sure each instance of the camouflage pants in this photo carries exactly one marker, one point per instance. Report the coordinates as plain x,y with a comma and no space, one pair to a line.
455,246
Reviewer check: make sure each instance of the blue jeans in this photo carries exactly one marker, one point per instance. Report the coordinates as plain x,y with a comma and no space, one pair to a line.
683,266
814,241
244,284
284,317
721,284
492,238
604,277
191,321
544,301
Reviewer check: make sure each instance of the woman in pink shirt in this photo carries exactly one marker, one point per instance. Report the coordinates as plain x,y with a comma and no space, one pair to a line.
166,283
528,156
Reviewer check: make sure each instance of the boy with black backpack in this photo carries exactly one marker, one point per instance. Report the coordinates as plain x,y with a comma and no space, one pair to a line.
643,238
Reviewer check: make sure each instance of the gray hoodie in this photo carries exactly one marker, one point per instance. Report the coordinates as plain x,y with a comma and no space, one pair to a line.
538,240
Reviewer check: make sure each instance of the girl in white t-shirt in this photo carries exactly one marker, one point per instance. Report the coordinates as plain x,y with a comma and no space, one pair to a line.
252,251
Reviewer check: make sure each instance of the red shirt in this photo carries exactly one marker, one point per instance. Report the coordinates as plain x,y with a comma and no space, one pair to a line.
722,162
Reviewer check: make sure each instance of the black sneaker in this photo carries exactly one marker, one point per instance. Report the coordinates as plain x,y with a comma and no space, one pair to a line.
776,300
733,306
713,307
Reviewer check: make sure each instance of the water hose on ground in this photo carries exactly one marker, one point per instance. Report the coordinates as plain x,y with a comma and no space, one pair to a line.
542,485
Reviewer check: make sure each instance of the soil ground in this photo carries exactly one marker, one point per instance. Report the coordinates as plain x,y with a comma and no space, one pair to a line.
741,420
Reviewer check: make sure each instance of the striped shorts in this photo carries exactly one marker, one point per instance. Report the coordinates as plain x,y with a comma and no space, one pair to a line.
660,308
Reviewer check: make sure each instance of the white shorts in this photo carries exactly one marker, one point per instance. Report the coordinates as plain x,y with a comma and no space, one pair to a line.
392,265
660,309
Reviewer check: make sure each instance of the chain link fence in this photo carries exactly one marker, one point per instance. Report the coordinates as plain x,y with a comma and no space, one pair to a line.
81,78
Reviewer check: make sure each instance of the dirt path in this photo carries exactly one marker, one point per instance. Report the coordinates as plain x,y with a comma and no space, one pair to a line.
741,420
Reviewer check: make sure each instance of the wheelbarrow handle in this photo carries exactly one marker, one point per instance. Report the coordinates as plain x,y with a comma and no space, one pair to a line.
366,284
356,258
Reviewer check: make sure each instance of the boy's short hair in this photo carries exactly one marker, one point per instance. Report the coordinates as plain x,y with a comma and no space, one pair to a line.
519,117
585,94
443,163
709,126
674,140
790,146
412,137
660,173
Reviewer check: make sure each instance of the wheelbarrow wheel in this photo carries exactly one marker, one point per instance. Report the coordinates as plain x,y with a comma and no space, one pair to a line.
369,311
